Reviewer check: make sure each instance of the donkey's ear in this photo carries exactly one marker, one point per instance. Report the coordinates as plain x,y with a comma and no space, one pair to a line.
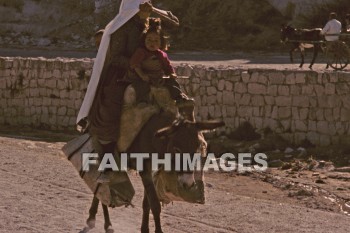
208,125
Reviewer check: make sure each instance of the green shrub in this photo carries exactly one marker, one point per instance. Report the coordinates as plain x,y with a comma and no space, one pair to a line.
319,14
224,25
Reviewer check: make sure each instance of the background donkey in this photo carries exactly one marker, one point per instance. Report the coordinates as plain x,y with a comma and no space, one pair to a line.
161,134
301,39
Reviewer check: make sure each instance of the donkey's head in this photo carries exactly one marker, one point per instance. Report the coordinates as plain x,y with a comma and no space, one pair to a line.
185,142
286,32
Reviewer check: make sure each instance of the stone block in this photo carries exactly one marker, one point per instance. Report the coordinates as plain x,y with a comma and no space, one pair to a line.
257,89
245,111
303,113
231,111
221,85
257,100
219,98
329,89
290,79
283,101
244,100
269,100
336,114
313,137
245,76
300,101
211,91
328,114
240,88
228,97
300,78
284,112
319,114
272,90
307,90
345,114
228,86
301,126
262,79
345,101
312,126
342,88
204,112
322,127
319,89
276,78
295,90
283,90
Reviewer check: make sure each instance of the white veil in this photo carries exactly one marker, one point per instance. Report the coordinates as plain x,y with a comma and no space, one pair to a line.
128,8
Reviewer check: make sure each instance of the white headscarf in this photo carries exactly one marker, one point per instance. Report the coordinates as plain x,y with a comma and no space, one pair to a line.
128,8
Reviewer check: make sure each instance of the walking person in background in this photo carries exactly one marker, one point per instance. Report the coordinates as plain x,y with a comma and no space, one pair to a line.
347,23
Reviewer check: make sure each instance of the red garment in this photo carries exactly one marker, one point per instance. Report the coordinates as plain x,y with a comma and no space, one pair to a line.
142,54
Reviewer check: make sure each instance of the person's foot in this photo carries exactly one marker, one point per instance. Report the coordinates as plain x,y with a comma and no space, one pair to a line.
103,178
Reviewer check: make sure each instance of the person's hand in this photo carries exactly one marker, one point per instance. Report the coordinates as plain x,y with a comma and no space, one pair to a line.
173,76
173,17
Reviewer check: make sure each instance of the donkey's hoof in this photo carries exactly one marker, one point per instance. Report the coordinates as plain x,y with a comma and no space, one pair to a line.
91,223
85,230
109,230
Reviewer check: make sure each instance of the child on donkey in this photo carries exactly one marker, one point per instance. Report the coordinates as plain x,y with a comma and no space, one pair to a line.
150,64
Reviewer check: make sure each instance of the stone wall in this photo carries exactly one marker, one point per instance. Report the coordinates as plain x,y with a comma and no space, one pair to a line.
296,104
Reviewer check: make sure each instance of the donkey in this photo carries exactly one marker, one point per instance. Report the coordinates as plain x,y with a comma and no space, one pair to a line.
301,39
162,134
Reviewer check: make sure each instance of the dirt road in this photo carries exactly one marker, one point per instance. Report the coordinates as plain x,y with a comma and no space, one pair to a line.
42,192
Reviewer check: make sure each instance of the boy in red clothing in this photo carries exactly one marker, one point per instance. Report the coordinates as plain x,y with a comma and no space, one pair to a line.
151,64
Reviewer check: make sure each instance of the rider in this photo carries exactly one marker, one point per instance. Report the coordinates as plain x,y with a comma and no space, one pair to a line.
150,63
101,108
332,29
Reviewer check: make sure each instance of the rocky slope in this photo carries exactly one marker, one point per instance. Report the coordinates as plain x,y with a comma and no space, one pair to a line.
205,24
233,25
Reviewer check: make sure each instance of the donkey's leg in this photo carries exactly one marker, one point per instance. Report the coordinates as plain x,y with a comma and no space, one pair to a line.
145,214
302,55
316,49
108,224
152,199
291,55
92,213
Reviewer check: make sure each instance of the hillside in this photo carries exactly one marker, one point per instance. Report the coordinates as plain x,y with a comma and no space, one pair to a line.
233,25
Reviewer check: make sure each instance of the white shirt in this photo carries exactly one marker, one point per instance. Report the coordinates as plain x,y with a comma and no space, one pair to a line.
333,26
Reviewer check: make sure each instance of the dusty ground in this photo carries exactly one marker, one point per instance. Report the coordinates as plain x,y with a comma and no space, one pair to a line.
42,192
